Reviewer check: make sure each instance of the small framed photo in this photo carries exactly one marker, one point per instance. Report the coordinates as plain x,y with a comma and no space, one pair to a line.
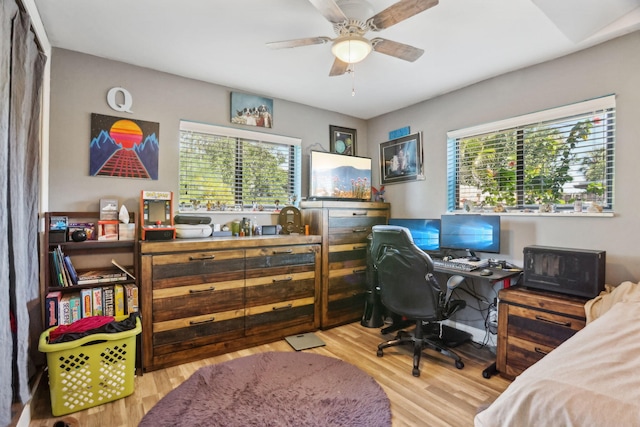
342,140
401,159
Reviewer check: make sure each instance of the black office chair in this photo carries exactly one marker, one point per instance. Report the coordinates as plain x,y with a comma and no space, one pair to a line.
408,288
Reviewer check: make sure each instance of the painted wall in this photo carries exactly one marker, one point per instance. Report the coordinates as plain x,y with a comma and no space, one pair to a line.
609,68
79,86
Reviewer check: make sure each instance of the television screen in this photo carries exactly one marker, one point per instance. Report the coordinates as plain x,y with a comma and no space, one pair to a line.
337,176
479,233
425,232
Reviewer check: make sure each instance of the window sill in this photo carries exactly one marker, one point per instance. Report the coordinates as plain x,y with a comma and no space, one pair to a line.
563,214
227,212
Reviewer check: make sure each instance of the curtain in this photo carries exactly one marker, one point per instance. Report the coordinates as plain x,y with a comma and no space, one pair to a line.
21,73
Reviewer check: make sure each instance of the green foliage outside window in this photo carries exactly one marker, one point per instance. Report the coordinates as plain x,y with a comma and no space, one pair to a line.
531,165
219,171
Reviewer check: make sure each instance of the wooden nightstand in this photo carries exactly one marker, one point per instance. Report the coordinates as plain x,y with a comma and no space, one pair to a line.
532,323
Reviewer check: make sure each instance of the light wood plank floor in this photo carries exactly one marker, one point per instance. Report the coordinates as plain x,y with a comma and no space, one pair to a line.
441,396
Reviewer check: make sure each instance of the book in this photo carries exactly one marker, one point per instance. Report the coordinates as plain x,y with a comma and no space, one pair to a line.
86,296
96,301
108,306
131,299
64,274
73,275
100,276
56,275
123,269
118,300
51,309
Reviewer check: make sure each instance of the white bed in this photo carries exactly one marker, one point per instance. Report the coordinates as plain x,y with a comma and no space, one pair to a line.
592,379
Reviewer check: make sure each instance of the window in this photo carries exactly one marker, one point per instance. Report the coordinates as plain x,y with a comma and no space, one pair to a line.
553,157
222,166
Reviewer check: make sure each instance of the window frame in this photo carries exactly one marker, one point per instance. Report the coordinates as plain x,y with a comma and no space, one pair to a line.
293,145
605,105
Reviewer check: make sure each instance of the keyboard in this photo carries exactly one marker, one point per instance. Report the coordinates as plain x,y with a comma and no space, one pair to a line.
460,264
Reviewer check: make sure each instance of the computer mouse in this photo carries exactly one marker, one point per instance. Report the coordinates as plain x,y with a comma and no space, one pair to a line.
486,272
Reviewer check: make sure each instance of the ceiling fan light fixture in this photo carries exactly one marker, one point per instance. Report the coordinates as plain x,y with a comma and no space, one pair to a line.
351,48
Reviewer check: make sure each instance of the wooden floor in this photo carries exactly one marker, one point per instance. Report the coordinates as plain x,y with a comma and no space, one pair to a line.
441,396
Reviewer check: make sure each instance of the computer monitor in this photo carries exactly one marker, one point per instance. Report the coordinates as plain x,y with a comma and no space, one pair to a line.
425,232
471,233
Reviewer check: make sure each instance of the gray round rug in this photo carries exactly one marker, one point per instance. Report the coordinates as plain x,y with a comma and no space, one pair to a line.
275,389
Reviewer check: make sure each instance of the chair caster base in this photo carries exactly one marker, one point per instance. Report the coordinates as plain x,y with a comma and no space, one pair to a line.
416,372
459,364
379,353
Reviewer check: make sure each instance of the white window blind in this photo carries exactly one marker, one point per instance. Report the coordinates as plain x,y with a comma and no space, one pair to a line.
554,156
227,166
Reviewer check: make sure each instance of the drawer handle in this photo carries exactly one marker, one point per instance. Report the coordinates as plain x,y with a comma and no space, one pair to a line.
202,258
200,322
360,271
197,291
359,214
286,279
359,230
555,322
285,251
541,351
286,307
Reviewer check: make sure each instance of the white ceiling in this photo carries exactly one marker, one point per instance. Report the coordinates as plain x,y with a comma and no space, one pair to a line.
223,42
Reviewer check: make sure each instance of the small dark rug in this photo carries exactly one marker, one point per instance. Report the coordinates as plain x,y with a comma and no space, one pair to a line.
275,389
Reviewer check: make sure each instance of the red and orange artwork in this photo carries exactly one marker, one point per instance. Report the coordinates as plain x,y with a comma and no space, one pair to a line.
123,148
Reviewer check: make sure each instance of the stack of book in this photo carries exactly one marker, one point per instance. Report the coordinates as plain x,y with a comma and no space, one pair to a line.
64,274
66,308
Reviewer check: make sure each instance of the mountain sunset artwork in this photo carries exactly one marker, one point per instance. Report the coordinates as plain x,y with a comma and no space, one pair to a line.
123,148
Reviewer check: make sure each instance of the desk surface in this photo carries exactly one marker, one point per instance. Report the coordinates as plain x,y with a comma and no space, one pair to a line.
498,273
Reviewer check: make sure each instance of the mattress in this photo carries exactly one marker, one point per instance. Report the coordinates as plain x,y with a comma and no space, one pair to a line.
592,379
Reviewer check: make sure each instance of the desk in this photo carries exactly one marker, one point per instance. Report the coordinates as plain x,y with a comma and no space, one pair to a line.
497,276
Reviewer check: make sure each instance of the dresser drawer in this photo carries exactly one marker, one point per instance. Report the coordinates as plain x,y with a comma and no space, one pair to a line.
185,269
351,230
191,332
550,329
197,300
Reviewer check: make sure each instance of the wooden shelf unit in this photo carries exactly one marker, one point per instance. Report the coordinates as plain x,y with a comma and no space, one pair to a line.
88,248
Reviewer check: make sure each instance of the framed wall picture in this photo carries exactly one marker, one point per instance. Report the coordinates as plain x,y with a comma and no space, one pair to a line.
401,159
251,110
342,140
124,148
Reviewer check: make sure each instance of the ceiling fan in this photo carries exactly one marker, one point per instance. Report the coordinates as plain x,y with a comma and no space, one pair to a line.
350,46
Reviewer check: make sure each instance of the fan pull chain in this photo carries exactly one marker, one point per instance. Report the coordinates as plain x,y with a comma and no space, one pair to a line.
353,80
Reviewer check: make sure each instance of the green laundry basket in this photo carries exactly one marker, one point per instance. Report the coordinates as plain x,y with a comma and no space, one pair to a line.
90,371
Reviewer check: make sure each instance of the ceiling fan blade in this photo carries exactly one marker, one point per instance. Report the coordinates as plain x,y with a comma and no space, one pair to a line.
298,42
330,10
399,50
338,68
398,12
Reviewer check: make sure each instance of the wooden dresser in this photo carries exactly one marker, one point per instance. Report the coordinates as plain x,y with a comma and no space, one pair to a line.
532,323
344,227
203,297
